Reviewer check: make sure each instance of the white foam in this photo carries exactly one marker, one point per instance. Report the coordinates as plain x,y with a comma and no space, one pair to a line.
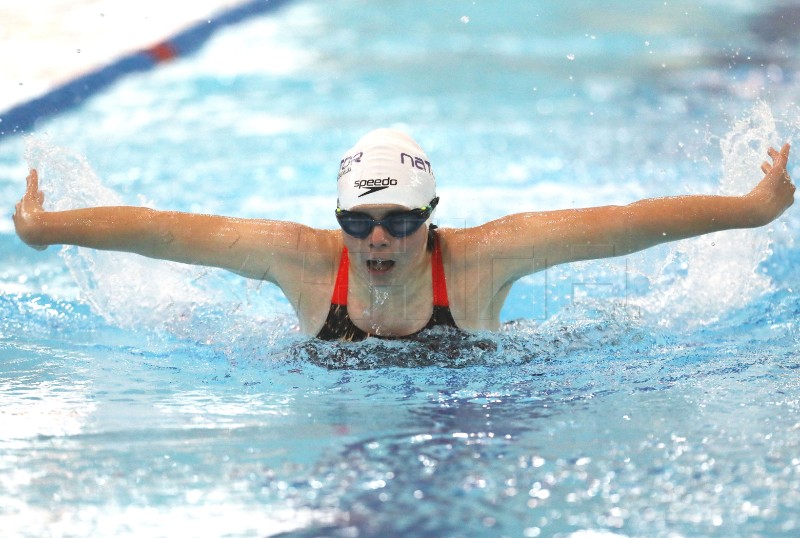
721,269
206,513
133,291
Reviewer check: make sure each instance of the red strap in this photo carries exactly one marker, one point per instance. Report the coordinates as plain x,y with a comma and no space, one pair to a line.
340,288
339,296
437,269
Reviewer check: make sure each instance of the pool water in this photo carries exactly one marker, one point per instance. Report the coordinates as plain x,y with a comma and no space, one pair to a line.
652,395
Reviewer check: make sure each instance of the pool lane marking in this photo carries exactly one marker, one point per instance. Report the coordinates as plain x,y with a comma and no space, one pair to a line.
23,118
162,52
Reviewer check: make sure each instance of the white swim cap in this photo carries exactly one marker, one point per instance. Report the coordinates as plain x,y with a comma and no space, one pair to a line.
385,167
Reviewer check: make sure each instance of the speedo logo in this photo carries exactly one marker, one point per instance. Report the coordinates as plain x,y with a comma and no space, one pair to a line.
374,185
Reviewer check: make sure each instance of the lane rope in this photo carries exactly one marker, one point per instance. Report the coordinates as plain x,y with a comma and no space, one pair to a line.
23,118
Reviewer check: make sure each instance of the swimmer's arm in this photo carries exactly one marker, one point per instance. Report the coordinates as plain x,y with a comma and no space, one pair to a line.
557,237
254,248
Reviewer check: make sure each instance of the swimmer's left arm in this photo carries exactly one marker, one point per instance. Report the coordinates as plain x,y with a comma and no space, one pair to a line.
578,234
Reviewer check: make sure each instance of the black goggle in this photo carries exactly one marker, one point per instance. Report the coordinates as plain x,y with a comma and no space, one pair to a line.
399,224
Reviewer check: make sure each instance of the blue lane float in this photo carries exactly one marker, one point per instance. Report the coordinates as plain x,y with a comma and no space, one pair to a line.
23,118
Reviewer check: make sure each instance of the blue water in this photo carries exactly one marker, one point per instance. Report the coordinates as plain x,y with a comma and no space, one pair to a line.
653,395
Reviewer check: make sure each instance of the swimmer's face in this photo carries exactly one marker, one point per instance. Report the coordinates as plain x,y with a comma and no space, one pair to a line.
381,257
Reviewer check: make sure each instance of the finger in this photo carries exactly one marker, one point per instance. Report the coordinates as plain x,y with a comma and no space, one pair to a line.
766,167
778,159
782,155
40,197
33,181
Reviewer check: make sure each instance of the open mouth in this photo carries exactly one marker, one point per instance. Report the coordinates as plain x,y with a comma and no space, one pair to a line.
379,266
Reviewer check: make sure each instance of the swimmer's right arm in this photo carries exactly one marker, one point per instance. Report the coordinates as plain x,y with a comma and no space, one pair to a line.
255,248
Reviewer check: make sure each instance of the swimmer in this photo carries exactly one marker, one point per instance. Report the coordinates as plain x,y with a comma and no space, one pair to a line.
388,272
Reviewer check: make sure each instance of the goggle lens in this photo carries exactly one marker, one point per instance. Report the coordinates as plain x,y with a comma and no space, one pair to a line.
401,224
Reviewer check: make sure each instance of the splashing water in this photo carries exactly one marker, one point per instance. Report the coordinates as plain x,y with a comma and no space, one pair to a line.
720,270
578,420
133,291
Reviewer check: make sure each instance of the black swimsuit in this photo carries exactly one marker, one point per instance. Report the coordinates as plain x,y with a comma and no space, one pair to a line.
339,326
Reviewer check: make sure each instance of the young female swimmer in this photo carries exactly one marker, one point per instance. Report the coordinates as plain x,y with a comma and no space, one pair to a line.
388,272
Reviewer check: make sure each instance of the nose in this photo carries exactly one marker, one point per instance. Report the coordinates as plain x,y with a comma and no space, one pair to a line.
379,237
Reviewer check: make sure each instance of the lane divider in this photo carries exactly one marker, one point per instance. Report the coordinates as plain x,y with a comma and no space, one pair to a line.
22,118
162,52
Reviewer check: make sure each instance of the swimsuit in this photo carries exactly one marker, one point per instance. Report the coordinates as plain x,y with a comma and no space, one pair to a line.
339,326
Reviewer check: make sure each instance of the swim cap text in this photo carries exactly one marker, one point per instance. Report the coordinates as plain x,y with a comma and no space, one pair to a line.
416,162
347,163
365,183
374,185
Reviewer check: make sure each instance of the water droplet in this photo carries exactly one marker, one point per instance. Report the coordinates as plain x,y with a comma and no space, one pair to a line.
570,56
465,19
79,51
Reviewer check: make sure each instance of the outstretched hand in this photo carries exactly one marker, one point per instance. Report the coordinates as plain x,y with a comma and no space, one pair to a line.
28,210
775,192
